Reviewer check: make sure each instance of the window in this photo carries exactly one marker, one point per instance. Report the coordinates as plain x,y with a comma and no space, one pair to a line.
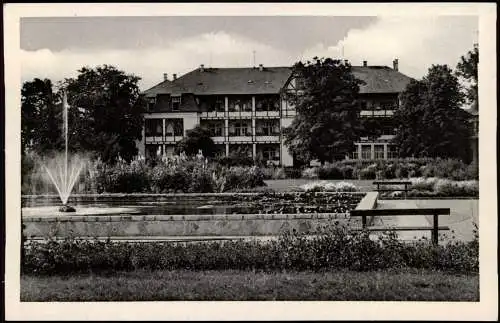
153,127
299,83
270,153
379,151
240,128
216,128
392,151
174,127
240,150
268,127
151,103
213,103
238,104
267,103
153,150
366,152
176,103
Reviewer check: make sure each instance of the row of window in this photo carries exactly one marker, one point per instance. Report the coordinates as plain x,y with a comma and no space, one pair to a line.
264,151
217,103
378,152
243,128
154,127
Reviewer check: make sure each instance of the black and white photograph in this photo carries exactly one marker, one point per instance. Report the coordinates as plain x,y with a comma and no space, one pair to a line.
250,161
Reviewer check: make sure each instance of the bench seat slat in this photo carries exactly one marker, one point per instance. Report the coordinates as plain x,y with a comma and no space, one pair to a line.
401,212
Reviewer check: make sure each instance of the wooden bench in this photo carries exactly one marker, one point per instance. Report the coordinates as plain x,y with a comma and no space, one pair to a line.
368,202
392,183
435,212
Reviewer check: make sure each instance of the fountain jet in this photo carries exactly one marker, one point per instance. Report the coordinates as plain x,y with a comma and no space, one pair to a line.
58,169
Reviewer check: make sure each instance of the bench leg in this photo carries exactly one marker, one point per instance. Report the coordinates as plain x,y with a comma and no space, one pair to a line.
435,230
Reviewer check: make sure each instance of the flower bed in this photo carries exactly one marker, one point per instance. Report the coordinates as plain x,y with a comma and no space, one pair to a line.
438,187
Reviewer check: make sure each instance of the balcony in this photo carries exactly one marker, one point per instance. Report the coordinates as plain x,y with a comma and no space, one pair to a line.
240,114
377,113
264,138
213,114
240,139
150,139
173,138
274,114
218,139
166,139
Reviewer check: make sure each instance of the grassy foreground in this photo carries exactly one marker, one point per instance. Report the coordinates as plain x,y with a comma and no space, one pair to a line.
232,285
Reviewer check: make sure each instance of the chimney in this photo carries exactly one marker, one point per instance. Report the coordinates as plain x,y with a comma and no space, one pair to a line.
202,68
261,67
175,77
365,63
395,64
165,76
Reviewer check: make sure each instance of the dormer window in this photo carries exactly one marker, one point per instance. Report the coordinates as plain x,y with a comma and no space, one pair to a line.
176,103
151,103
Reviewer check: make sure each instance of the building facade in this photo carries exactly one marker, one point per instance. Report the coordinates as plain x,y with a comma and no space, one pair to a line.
246,109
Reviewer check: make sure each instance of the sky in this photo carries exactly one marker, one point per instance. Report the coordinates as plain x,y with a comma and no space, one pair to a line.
56,47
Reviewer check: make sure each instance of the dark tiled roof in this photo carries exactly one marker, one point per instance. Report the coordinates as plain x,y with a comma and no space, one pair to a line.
378,79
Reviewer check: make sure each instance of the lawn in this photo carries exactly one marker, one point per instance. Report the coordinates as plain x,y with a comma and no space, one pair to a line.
403,285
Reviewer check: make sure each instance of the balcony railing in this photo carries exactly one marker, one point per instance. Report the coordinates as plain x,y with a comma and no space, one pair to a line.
267,138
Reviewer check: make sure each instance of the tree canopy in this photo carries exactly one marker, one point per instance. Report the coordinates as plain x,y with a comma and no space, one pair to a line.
196,139
430,120
467,70
327,121
41,117
105,113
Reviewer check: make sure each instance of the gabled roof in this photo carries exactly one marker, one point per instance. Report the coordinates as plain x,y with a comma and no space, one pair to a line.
380,79
223,81
250,80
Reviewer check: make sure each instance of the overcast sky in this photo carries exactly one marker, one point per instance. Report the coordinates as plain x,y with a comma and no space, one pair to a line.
150,46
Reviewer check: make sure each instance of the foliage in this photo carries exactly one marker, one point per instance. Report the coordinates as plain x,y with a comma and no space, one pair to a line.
195,140
332,247
327,123
430,121
467,70
439,187
104,113
323,186
41,117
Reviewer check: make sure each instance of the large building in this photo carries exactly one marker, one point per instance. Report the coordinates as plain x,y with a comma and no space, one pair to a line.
246,108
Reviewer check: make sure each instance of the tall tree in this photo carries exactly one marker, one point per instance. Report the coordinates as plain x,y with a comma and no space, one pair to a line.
467,70
106,112
430,121
196,139
327,121
41,117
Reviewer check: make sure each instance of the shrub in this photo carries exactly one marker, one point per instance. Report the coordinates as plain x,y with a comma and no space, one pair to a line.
332,247
370,172
330,171
310,172
323,186
292,172
432,187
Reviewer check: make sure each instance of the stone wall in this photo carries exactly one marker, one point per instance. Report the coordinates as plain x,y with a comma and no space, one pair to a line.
175,225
